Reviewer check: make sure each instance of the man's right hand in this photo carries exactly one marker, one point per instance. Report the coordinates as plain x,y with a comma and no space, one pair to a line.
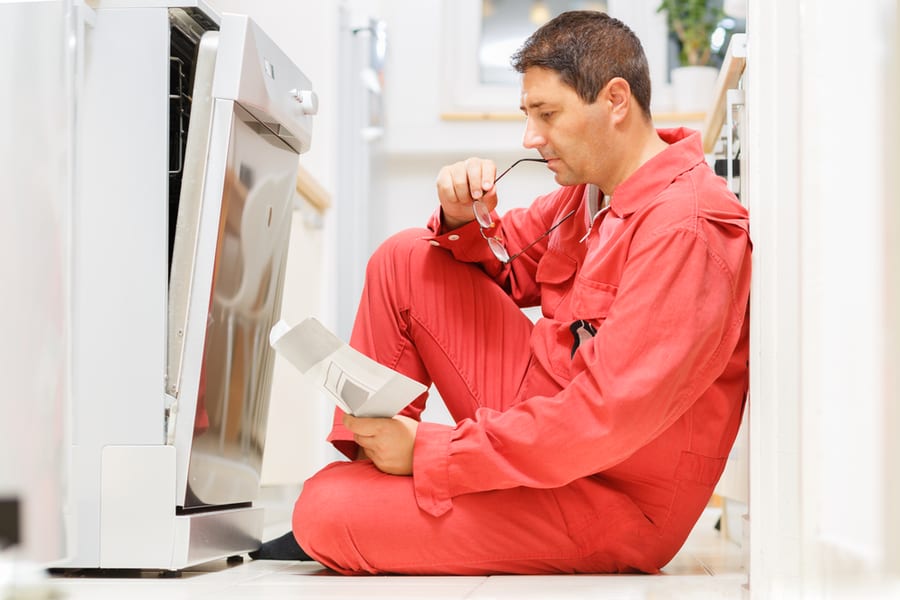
460,184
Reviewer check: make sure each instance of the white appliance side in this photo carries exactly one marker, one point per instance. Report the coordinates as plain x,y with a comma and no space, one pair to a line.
201,4
160,539
119,270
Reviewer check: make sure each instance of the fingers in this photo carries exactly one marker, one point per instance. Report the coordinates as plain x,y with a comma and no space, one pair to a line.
480,176
387,442
362,425
364,431
460,184
465,181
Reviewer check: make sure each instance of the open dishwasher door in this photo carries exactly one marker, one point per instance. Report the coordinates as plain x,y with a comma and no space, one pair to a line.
250,118
249,121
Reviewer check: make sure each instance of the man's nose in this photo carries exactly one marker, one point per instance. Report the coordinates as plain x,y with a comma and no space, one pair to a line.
532,138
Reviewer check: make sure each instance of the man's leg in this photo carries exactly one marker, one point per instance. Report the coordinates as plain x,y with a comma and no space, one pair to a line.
355,519
439,321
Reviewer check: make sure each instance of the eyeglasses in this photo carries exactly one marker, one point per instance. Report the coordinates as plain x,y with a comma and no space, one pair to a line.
483,216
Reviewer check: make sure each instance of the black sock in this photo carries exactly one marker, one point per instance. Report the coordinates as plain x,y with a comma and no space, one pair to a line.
281,548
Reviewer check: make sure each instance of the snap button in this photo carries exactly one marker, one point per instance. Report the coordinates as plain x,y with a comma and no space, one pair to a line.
453,237
434,242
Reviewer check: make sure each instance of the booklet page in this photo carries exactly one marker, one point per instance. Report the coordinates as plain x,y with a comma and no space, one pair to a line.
357,384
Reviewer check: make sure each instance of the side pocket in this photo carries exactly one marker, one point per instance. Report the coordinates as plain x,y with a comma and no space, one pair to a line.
698,468
606,524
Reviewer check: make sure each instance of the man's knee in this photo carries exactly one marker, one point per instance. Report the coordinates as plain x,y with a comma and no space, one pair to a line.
330,513
407,256
320,508
400,247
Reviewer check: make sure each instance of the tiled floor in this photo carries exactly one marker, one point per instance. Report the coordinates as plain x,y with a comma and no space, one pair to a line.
707,567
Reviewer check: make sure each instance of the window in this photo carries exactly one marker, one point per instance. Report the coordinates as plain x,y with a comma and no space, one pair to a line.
481,35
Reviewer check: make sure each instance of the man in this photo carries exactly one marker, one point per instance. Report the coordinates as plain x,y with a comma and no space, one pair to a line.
590,441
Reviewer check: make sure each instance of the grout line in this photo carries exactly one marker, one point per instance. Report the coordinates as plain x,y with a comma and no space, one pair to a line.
477,587
707,569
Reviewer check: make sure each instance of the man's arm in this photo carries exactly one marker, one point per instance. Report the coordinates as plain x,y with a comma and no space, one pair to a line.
668,339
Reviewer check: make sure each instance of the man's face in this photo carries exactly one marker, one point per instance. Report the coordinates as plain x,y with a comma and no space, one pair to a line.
570,134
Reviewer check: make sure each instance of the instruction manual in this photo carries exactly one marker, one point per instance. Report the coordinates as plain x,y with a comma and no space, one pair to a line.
357,384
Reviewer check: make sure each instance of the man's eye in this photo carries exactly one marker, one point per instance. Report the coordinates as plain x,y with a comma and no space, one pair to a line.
546,115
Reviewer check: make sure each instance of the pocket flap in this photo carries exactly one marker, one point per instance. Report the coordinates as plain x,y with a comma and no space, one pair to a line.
555,268
699,468
592,300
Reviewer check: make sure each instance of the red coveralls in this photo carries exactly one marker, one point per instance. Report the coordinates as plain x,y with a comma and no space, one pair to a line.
599,461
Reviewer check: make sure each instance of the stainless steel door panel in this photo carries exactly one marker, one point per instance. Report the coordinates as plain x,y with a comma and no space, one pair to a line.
228,260
243,302
248,276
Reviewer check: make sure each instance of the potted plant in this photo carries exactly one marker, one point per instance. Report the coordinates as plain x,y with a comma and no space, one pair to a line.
693,23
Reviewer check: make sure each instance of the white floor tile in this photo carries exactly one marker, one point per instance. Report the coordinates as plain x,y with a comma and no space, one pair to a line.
708,567
618,587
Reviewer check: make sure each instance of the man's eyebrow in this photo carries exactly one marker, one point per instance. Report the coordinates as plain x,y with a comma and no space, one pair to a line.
537,104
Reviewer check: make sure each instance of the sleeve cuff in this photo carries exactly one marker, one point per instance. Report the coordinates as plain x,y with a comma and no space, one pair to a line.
464,243
431,473
341,438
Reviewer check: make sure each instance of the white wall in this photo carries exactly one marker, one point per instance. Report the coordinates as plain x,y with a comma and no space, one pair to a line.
36,166
822,97
418,141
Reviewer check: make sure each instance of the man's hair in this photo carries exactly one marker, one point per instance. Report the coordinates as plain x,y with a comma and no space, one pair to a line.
588,48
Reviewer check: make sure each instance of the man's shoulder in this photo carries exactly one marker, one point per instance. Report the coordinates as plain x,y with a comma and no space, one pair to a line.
696,197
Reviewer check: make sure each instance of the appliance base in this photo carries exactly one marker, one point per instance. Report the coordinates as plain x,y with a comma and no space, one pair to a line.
139,527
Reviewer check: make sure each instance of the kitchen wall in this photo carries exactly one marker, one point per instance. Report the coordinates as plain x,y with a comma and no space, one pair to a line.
424,43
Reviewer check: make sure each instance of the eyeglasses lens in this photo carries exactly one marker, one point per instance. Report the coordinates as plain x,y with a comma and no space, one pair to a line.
482,214
498,249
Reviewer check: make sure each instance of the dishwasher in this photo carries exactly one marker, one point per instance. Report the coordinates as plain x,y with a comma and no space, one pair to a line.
188,133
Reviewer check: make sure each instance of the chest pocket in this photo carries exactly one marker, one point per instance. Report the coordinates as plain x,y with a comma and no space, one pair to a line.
554,274
592,300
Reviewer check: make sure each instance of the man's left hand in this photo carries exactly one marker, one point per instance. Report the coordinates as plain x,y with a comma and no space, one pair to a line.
388,442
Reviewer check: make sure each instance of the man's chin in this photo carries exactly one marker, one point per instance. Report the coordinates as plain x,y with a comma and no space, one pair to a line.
563,178
561,174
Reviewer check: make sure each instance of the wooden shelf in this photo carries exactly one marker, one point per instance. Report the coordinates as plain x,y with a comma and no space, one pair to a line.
729,76
482,116
310,189
662,117
679,117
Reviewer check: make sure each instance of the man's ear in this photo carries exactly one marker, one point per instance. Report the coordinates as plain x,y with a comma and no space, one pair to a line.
617,94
